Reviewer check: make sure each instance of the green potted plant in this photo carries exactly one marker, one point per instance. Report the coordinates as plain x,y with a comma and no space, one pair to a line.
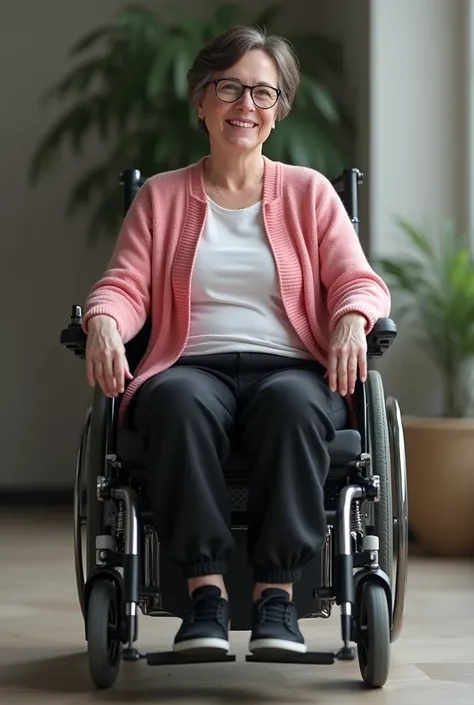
436,284
129,90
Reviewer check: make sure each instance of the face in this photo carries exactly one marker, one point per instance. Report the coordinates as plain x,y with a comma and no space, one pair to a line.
255,68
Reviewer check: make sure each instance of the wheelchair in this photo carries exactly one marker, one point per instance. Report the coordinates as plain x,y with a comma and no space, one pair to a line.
122,568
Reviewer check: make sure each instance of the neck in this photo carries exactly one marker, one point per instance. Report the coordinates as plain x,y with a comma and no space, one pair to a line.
234,172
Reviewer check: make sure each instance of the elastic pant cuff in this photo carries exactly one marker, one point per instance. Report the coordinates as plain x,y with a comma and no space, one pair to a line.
276,575
198,570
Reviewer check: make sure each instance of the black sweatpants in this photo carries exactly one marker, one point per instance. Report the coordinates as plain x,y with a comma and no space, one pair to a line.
284,413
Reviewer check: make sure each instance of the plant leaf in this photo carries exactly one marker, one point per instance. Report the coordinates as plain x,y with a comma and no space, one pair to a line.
89,40
131,93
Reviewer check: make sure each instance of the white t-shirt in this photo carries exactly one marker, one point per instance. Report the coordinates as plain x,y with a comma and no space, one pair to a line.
236,304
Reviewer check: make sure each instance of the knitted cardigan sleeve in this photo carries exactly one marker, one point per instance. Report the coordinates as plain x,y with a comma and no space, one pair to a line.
123,292
351,283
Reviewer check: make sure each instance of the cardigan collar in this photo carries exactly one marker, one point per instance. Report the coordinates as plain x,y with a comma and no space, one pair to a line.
271,180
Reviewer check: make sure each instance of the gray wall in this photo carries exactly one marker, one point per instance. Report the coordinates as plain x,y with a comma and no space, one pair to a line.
409,146
46,266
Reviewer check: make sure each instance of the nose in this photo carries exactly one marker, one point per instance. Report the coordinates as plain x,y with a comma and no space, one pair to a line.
245,100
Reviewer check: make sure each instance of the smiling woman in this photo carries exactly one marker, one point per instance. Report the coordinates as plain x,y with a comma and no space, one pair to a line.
255,79
260,299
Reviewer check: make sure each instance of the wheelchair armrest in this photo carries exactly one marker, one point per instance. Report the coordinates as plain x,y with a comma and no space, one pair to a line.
73,337
381,337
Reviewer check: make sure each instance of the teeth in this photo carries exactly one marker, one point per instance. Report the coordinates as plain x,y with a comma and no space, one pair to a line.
238,123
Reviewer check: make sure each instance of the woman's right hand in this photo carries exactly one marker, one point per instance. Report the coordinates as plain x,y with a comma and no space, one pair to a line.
106,362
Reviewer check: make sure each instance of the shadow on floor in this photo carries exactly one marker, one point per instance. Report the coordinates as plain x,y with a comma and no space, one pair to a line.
237,683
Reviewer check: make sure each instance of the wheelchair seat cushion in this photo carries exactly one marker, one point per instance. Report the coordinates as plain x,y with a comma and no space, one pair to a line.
345,447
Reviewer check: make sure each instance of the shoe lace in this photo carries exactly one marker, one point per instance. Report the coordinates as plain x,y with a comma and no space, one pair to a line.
274,609
205,608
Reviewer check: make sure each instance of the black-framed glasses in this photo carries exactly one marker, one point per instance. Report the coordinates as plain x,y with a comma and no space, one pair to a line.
229,90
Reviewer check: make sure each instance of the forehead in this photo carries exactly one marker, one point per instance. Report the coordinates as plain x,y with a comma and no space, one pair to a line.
254,67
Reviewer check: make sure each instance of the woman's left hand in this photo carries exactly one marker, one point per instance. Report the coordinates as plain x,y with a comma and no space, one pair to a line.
347,354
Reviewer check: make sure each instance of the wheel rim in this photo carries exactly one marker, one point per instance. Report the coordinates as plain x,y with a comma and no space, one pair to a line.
80,518
381,513
112,633
398,460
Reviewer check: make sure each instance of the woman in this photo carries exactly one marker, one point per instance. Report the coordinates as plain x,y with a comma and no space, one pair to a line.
260,298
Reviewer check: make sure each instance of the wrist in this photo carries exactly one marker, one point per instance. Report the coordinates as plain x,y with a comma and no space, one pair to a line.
101,319
354,316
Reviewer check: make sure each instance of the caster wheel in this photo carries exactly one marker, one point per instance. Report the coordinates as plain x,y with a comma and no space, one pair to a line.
373,647
103,634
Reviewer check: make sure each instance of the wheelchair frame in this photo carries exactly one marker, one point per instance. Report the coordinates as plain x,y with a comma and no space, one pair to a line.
350,555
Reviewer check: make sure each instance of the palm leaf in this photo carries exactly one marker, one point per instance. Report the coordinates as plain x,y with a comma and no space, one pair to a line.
91,38
440,286
129,88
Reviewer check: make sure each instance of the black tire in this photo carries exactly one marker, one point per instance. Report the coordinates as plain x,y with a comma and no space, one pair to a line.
103,634
373,645
95,466
80,515
379,446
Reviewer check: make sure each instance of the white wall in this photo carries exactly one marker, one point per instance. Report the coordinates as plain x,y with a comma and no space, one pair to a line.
418,154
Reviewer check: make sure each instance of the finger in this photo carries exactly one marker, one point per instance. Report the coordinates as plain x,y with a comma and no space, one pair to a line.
363,365
109,376
119,372
102,378
352,372
332,370
90,371
99,375
128,374
342,372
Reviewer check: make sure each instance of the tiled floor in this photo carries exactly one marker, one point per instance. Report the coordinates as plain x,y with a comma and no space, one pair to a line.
42,650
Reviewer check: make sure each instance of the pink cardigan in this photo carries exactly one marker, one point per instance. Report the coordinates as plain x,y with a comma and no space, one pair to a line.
322,268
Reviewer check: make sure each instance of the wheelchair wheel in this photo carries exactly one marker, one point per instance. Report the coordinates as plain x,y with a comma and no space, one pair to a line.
80,517
88,511
399,476
103,634
379,444
373,646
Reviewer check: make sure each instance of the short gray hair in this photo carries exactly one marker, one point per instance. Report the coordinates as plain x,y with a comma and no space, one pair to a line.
227,48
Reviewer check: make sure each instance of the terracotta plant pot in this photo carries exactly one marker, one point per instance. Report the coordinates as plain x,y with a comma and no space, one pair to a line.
440,470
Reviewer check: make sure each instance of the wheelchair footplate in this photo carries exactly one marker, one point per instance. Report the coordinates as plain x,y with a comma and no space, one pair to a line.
315,658
176,658
173,658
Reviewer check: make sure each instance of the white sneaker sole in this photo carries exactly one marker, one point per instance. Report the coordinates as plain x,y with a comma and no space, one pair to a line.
202,646
280,644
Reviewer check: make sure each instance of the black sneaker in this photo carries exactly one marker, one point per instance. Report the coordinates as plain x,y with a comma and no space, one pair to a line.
275,624
205,626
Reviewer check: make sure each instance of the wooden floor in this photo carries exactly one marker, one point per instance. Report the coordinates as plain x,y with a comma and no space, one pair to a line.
42,650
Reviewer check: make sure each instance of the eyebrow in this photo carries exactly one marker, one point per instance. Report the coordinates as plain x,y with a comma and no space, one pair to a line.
259,83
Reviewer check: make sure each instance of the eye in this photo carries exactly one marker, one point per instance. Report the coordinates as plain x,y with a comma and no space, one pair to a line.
229,87
264,92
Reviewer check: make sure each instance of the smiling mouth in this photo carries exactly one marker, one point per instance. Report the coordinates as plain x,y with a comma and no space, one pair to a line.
241,123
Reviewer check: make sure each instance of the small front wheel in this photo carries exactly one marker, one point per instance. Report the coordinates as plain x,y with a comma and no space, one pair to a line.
373,646
103,634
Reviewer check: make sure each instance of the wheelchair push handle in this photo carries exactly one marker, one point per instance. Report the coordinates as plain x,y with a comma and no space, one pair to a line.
131,180
76,316
73,337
